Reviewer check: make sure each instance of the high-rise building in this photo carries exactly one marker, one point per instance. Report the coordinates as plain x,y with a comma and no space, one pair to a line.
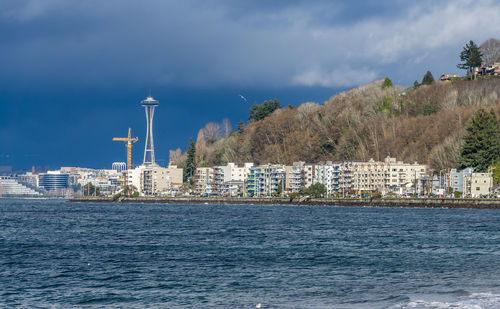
149,149
53,180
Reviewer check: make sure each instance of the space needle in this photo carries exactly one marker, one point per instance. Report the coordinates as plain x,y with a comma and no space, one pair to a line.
149,151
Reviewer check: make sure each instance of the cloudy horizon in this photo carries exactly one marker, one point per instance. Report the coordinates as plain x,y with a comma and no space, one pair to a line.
95,60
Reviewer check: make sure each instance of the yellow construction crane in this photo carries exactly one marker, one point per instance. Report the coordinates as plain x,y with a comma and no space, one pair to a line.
129,142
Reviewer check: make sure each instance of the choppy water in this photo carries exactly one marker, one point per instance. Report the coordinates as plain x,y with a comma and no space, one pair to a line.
59,254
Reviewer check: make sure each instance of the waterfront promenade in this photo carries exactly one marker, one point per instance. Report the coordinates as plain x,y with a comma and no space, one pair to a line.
402,202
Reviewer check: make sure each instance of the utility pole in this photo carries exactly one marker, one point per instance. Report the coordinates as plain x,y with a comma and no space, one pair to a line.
415,189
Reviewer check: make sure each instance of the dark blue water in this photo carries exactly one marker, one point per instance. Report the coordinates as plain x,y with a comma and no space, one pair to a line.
59,254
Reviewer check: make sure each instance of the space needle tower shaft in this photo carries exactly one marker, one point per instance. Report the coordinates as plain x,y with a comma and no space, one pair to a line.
149,149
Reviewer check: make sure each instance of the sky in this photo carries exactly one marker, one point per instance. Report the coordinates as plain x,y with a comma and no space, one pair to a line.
73,73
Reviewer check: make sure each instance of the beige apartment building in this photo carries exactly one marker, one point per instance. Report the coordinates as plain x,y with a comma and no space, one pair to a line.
378,175
203,180
478,184
155,180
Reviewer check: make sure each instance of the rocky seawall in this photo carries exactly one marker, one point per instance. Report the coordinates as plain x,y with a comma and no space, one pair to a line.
419,203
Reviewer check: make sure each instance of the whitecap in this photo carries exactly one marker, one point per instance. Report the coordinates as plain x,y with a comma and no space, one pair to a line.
484,300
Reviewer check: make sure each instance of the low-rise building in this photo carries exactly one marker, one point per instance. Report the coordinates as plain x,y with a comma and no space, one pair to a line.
478,184
457,179
445,77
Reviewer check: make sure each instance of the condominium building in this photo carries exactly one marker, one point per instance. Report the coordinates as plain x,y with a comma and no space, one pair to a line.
371,175
346,177
353,176
294,177
328,174
389,174
203,180
225,180
404,174
266,180
309,174
153,180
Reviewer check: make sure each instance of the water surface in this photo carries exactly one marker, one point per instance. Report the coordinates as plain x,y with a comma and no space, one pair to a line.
59,254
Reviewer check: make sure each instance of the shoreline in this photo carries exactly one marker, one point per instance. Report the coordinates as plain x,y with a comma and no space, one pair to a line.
407,203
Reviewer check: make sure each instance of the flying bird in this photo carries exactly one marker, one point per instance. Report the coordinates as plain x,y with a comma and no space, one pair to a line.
241,96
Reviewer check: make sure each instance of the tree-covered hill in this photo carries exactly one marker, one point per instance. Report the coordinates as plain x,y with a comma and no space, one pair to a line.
424,124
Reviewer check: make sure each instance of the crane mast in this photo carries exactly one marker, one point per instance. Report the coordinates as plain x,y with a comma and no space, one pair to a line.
128,140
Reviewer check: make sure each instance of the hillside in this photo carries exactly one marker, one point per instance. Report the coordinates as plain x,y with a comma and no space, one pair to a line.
424,124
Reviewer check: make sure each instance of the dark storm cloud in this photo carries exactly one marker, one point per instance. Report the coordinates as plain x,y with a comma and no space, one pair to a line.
73,72
216,43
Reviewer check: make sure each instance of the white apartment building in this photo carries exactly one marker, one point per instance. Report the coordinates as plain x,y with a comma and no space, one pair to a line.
328,174
265,180
294,176
222,180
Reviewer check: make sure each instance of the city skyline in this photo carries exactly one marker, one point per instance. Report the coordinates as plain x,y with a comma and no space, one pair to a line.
72,73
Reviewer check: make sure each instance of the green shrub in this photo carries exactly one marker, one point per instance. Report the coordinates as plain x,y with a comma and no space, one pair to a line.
386,83
429,109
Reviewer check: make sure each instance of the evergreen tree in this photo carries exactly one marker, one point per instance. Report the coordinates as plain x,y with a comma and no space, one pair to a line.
219,158
190,165
495,132
481,146
280,188
471,57
252,114
259,112
386,83
428,78
241,127
416,84
495,169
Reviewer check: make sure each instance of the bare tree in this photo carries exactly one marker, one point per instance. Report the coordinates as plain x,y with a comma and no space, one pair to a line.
175,156
212,130
491,51
201,147
226,126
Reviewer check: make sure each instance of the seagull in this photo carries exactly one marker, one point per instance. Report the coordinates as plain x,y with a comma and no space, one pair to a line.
241,96
258,306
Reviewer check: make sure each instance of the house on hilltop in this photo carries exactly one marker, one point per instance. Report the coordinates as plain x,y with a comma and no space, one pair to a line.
446,77
485,69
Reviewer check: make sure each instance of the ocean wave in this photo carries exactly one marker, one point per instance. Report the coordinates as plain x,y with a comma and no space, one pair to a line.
486,300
